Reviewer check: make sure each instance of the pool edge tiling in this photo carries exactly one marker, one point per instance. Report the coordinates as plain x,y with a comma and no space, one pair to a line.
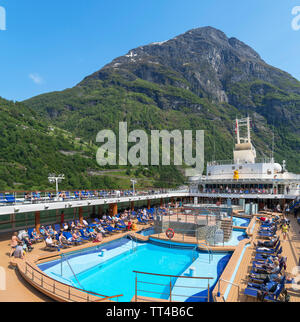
184,246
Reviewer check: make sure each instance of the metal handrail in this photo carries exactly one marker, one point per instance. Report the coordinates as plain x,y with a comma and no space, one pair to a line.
210,253
170,285
176,276
54,286
132,244
231,283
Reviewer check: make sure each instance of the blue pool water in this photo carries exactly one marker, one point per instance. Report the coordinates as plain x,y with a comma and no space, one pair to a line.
147,232
241,222
112,273
236,236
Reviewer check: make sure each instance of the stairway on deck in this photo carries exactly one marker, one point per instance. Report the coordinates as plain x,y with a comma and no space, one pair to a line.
226,226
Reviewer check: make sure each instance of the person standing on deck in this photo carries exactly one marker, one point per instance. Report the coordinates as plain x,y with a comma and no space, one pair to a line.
284,230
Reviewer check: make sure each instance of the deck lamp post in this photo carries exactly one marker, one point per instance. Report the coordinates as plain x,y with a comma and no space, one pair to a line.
57,179
133,183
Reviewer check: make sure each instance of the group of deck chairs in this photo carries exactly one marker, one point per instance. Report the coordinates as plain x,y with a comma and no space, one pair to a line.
7,198
84,233
90,194
142,218
267,278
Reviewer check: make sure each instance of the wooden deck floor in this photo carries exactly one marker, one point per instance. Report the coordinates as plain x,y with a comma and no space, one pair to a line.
17,289
290,249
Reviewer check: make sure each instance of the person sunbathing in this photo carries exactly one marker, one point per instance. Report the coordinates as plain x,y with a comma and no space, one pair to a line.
98,238
100,229
43,231
63,240
269,269
75,237
35,235
85,223
50,231
91,232
50,242
266,244
79,225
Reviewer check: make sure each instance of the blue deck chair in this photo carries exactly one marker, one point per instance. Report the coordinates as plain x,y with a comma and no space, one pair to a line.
270,249
270,234
82,235
57,228
270,296
110,229
264,256
141,221
91,194
30,231
51,247
84,194
122,223
68,236
69,196
90,222
264,271
10,198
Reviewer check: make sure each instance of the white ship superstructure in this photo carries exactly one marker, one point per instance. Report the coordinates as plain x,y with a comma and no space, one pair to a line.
246,176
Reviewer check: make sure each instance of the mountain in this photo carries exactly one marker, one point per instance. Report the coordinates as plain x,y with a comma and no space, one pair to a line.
30,150
198,80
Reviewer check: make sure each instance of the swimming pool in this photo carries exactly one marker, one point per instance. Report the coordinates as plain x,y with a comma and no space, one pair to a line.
112,274
236,236
241,222
147,232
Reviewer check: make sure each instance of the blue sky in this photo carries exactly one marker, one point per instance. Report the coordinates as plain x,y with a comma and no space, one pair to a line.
53,45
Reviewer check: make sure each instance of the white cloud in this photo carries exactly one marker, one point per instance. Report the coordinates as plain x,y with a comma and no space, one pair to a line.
36,78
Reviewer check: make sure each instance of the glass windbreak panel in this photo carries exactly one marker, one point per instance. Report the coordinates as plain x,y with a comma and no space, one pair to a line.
5,223
48,216
20,220
69,214
30,219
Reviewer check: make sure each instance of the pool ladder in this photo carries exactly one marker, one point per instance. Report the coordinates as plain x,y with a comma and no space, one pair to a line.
210,254
133,243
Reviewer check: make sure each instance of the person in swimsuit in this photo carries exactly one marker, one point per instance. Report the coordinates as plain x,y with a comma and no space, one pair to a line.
15,241
284,230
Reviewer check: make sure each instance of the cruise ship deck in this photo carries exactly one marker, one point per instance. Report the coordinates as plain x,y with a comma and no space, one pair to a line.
231,284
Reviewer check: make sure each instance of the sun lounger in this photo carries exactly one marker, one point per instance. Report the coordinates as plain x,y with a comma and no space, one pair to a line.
268,296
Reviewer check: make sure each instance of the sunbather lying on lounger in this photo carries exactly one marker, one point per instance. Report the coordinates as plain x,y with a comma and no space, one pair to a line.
268,243
98,238
269,269
63,240
50,242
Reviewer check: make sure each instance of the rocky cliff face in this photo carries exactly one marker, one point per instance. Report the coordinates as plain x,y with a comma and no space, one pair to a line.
202,60
200,79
